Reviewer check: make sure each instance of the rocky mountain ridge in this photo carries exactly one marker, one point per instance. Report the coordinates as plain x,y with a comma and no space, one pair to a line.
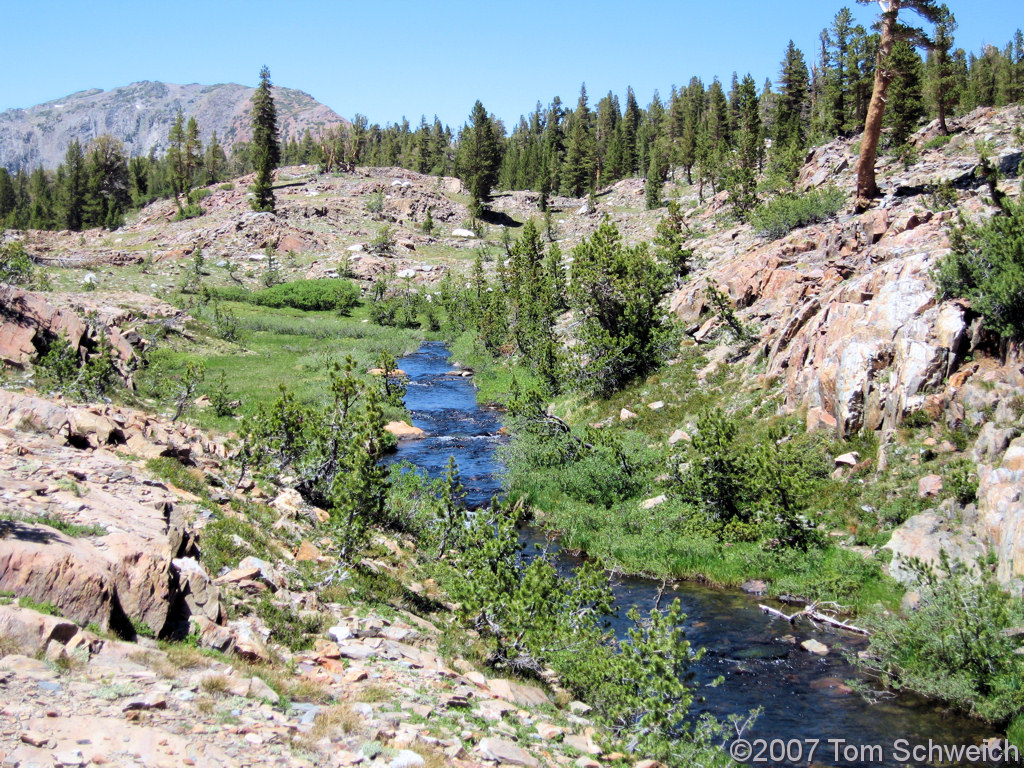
141,114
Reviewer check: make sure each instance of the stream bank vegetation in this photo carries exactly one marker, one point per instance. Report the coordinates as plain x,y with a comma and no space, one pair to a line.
738,493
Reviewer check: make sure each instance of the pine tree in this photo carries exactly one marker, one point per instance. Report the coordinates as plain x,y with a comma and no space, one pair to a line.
837,43
267,151
41,213
794,100
107,196
749,154
176,156
616,291
71,190
580,157
192,154
892,30
479,156
942,69
8,198
905,102
630,126
668,244
653,182
693,108
215,160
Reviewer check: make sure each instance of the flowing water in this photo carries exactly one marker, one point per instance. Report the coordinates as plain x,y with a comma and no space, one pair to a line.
803,696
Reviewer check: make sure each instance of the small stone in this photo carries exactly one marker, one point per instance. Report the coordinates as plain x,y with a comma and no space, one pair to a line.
850,459
34,738
678,435
340,633
307,552
506,752
657,405
152,701
929,486
653,502
258,689
70,758
625,415
582,743
406,759
813,646
754,587
549,732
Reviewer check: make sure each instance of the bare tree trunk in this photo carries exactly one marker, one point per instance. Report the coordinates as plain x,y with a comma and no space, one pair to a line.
867,187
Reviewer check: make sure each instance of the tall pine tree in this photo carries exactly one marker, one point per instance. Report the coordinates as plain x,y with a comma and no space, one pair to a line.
479,157
892,30
266,150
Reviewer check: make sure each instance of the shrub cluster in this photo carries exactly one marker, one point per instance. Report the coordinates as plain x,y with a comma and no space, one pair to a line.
986,266
788,212
309,295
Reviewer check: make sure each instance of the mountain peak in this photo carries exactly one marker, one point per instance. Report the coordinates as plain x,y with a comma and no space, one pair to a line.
140,114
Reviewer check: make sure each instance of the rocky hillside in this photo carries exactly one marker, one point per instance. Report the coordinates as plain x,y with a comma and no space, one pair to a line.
98,542
850,333
141,114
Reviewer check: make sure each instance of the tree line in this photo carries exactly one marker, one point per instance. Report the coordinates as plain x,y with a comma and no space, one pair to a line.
717,136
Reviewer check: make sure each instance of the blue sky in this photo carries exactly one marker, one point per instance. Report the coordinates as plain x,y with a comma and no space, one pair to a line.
388,59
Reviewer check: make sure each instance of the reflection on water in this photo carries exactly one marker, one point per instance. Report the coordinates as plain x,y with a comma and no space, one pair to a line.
803,696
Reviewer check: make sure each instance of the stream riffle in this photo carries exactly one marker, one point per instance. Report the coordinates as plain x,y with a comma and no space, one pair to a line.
803,697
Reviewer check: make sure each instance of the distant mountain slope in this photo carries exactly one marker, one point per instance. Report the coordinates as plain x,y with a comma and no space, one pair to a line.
141,114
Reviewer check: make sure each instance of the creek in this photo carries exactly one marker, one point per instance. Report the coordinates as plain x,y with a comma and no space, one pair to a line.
803,697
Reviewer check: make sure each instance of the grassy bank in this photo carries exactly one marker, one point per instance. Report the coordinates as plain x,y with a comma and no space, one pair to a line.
266,348
595,501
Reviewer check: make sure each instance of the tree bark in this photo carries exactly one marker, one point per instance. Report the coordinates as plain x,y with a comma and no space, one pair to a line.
867,187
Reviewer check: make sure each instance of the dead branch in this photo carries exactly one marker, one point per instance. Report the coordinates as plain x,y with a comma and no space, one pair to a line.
812,613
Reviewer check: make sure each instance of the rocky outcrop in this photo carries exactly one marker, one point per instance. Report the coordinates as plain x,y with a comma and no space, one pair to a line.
83,530
31,321
28,320
846,311
923,537
1001,510
850,327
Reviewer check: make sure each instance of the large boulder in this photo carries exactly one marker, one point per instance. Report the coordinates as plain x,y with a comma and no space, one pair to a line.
1001,511
41,563
32,631
30,319
924,536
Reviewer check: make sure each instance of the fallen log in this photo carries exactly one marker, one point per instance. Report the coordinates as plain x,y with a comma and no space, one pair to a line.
811,613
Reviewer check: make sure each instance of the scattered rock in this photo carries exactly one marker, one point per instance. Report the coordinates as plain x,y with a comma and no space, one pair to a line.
754,587
847,459
653,502
929,486
815,647
678,435
502,751
405,431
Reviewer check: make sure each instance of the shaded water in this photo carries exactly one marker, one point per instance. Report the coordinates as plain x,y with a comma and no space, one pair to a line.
801,694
